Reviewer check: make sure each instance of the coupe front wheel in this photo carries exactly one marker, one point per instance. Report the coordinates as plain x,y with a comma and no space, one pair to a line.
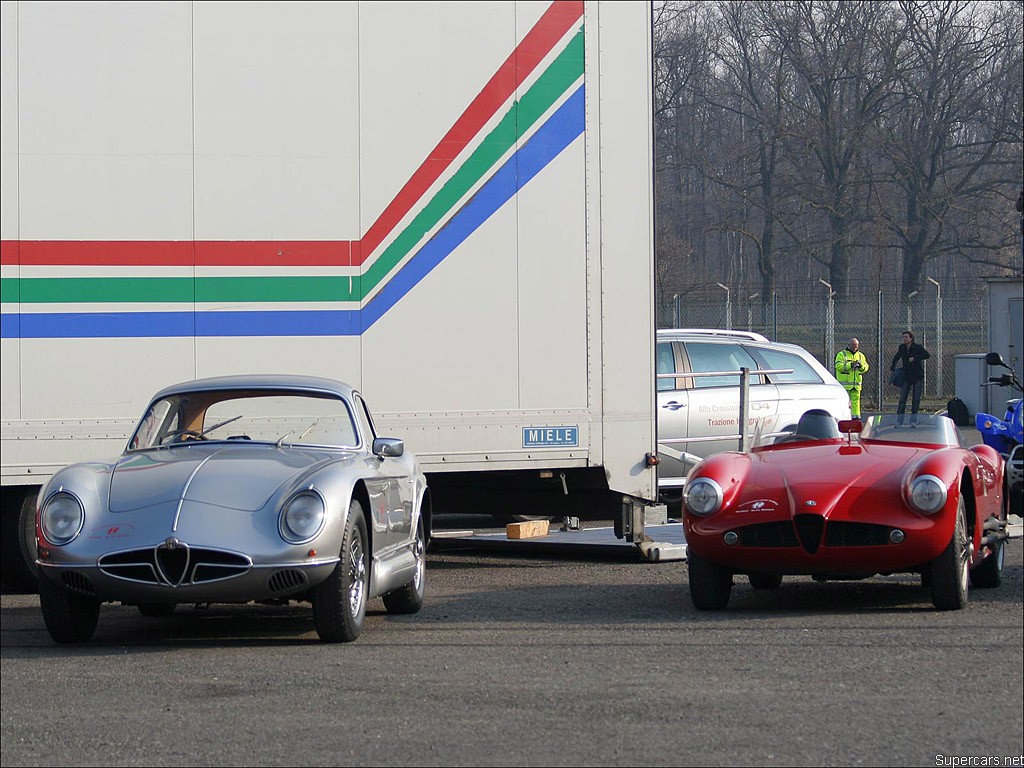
409,598
339,602
949,570
69,618
710,584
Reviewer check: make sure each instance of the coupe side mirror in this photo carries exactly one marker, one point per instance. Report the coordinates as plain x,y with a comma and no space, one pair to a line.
388,446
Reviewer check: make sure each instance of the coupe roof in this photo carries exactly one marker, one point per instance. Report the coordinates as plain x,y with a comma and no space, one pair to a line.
269,381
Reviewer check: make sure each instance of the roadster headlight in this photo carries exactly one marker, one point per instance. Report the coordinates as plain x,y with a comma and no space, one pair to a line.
703,496
927,494
62,518
302,517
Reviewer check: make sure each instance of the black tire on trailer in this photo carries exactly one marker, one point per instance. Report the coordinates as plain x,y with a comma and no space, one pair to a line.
156,610
18,541
69,618
409,598
762,580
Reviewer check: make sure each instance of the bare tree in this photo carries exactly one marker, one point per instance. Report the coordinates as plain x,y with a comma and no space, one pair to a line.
953,146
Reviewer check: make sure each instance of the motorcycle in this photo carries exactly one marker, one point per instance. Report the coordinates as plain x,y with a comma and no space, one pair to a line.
1006,435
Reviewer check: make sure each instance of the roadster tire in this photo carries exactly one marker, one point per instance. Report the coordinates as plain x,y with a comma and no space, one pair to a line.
710,584
762,580
69,618
339,602
156,610
949,571
409,598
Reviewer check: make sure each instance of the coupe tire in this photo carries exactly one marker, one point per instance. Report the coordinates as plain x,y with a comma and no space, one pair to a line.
156,610
409,598
339,602
69,618
710,584
949,570
761,580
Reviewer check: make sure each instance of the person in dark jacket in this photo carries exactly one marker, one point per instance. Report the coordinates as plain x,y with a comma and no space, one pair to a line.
911,356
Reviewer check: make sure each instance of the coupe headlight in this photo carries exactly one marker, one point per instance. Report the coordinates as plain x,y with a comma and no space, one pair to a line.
62,518
703,496
302,517
927,494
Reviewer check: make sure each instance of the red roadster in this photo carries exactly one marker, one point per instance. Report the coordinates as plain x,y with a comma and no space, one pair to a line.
901,498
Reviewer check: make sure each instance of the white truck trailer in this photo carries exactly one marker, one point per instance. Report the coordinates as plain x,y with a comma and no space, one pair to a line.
448,205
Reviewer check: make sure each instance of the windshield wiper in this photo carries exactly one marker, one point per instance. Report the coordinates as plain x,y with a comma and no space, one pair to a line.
305,432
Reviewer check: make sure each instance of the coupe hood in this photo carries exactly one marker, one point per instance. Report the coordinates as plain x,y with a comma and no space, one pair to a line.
235,477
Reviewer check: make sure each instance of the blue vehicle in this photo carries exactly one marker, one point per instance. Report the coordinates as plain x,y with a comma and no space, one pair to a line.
1006,435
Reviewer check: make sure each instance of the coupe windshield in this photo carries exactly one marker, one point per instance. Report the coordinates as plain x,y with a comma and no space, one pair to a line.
279,417
932,430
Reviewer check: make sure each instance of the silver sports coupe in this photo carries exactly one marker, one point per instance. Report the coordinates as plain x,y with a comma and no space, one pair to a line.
234,489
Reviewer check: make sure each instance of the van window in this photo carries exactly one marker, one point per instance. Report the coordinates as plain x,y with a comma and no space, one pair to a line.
802,371
705,357
666,364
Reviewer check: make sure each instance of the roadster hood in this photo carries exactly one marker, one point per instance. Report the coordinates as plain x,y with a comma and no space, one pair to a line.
236,477
824,474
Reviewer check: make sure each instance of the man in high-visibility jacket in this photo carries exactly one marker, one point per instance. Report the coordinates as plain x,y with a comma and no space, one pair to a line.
851,365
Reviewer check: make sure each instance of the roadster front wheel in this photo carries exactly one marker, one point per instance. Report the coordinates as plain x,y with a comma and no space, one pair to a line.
339,602
409,598
710,584
69,618
949,570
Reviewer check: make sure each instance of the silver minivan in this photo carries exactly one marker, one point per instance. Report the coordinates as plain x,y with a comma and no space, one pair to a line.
698,415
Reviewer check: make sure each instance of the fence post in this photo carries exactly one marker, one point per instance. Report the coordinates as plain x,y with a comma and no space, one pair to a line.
676,307
881,370
830,326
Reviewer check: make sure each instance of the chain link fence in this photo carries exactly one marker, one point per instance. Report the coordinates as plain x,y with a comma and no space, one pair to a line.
813,317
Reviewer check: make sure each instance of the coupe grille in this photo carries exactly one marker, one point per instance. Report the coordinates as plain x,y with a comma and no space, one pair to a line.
841,534
285,580
809,529
76,582
174,564
778,534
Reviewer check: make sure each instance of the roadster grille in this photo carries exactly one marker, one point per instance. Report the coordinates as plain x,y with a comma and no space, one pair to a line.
809,529
174,565
842,534
768,535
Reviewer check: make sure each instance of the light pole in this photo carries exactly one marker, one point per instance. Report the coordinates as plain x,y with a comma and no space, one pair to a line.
910,311
938,335
750,311
728,307
830,325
